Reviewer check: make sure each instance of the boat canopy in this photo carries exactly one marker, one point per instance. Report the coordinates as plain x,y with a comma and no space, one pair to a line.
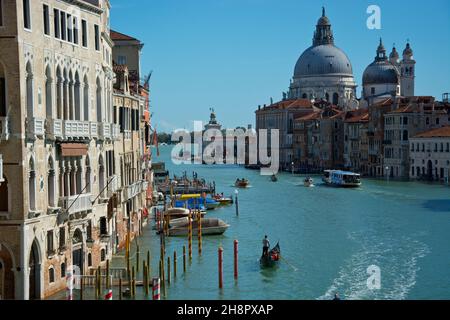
189,196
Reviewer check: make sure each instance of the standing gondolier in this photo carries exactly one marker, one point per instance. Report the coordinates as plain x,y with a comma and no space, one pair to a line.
266,246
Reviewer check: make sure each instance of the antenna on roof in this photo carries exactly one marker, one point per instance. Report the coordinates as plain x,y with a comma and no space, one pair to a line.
147,79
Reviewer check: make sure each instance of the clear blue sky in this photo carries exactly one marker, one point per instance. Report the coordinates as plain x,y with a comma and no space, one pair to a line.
234,55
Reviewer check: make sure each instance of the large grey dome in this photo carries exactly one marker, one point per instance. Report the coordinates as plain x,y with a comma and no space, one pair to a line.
323,60
381,72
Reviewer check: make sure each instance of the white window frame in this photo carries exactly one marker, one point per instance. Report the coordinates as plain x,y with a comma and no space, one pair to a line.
84,33
29,16
48,20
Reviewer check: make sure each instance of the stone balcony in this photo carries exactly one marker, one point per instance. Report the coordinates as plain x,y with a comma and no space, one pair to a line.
104,131
74,205
75,130
113,186
115,132
57,129
132,190
35,128
4,128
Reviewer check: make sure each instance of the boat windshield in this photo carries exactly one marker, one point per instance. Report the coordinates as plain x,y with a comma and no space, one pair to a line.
327,174
352,179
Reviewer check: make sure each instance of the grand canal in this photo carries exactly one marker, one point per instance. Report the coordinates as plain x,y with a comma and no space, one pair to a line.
329,237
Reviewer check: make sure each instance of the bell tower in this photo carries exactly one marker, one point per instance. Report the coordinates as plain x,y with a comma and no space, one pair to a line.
407,72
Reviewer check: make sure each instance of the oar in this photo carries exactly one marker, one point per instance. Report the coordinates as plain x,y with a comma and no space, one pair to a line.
289,264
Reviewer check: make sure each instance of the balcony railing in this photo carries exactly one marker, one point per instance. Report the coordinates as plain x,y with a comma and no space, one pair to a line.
55,129
4,128
113,186
75,129
35,128
132,190
94,129
104,131
75,204
115,132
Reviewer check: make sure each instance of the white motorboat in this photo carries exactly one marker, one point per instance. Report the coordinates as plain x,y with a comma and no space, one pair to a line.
173,223
344,179
308,182
210,226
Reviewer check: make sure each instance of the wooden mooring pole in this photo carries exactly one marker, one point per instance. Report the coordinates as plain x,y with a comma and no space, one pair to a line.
220,267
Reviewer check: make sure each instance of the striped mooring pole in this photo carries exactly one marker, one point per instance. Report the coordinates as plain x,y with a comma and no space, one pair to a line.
69,285
156,289
109,294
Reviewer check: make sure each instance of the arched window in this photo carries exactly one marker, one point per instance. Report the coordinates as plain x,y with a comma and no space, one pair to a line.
48,93
103,255
335,98
89,259
59,93
32,186
86,98
65,95
77,90
101,175
327,96
63,270
51,275
305,96
71,96
30,91
88,175
4,196
51,183
78,177
99,101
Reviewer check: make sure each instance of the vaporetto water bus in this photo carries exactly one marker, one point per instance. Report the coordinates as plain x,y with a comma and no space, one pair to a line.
344,179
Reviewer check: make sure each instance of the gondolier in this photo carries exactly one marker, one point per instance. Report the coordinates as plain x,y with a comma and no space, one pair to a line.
266,246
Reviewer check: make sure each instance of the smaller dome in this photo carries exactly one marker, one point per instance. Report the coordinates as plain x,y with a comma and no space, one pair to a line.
381,72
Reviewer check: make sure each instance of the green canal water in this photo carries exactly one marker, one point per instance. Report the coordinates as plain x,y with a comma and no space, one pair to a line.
328,237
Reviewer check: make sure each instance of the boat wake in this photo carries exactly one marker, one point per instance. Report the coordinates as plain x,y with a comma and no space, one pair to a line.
398,262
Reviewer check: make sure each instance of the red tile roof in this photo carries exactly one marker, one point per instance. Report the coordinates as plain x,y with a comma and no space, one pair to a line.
117,36
289,104
443,132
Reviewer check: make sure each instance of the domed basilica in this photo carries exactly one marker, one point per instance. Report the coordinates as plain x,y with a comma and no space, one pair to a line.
325,72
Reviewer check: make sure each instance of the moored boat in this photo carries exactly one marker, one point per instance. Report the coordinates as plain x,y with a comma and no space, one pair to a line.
210,226
344,179
272,258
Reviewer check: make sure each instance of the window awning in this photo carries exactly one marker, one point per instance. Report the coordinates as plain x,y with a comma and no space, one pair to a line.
74,149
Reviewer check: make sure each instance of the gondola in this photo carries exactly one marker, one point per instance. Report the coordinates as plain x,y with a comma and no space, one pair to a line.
272,258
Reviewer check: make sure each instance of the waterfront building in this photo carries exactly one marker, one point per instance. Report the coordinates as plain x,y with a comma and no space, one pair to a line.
319,138
281,115
430,155
57,134
356,142
133,158
411,116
